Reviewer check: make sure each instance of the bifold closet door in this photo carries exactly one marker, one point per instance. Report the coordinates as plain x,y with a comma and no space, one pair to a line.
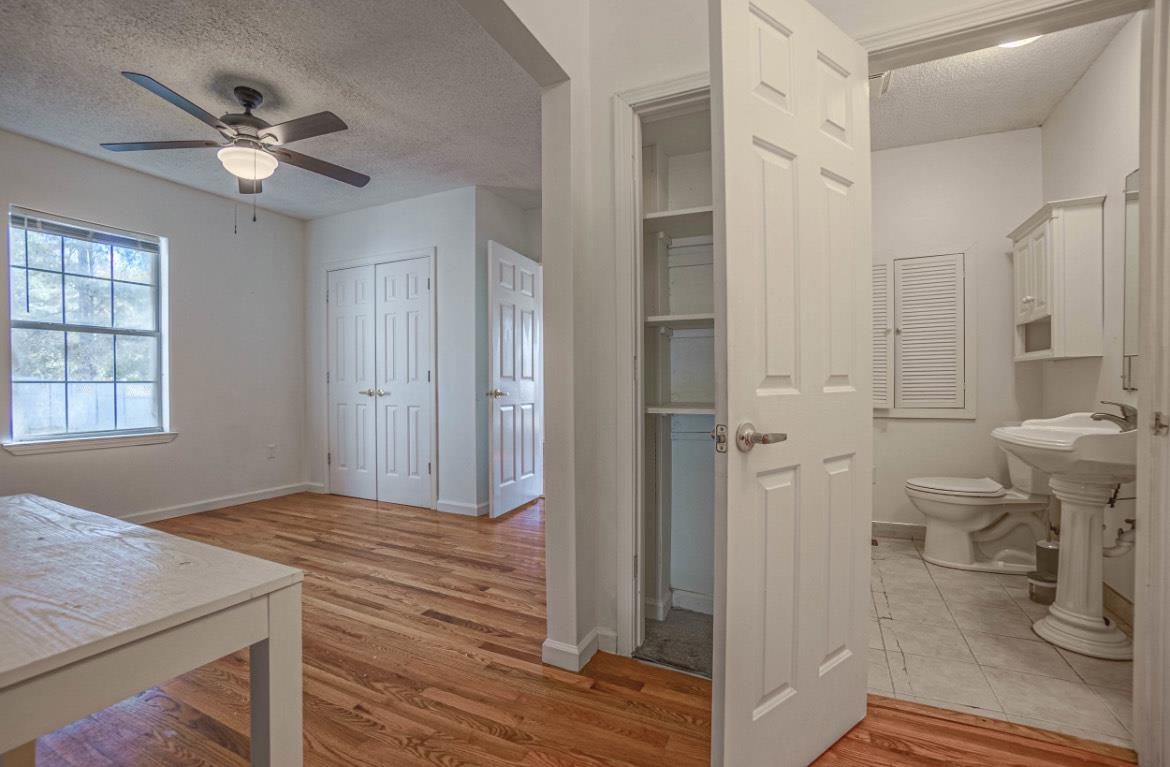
351,343
403,388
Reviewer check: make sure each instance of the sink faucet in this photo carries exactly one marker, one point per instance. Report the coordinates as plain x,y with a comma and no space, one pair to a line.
1127,420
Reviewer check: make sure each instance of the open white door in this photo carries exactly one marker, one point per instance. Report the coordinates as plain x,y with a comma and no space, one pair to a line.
792,262
515,391
405,412
352,448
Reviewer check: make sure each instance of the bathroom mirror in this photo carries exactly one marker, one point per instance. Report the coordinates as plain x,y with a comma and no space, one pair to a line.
1130,327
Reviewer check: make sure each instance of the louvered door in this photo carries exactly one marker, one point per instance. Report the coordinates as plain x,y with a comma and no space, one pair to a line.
929,332
883,337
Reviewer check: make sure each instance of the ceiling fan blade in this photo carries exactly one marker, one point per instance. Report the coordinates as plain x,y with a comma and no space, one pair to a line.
305,127
158,89
351,177
248,186
138,146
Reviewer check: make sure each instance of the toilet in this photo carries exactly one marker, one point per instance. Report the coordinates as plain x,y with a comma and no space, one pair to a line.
978,524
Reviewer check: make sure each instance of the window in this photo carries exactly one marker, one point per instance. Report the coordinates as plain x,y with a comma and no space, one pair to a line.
87,341
921,341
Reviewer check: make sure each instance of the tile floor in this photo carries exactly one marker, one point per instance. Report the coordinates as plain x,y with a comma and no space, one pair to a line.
963,640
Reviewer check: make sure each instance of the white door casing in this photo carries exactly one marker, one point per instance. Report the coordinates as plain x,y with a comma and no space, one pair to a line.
515,389
793,270
352,450
403,383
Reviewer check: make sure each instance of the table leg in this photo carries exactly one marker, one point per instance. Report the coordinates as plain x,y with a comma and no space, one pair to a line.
276,685
21,756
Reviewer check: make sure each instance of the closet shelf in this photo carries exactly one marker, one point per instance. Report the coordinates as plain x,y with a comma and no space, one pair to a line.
681,320
685,222
682,408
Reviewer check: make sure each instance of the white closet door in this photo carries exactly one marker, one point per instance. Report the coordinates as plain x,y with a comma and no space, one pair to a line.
929,317
515,394
351,383
883,336
792,292
403,385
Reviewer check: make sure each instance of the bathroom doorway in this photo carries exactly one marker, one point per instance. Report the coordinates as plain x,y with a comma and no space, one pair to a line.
1004,209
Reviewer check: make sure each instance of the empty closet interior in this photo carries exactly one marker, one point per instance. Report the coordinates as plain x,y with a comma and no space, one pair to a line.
678,375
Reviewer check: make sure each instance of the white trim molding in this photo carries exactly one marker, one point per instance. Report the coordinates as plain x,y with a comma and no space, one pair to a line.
465,509
1151,702
629,107
38,447
570,657
950,33
222,502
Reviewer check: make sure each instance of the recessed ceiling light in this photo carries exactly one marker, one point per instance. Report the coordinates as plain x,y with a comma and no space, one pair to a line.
1020,43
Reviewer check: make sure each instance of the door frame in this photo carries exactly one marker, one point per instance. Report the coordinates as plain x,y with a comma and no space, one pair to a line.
949,35
629,109
373,260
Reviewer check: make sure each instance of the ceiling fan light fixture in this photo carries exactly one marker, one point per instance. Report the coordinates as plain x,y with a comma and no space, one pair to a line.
247,163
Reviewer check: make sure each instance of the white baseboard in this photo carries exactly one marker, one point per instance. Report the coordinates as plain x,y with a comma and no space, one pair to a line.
689,600
316,487
571,657
466,509
606,640
907,530
154,515
657,609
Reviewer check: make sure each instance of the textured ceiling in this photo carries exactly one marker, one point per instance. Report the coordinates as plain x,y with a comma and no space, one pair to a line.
432,102
988,91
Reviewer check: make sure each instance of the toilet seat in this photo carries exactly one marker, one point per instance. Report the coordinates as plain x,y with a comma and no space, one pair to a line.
982,487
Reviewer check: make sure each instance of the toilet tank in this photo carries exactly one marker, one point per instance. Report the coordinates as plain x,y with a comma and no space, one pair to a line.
1027,479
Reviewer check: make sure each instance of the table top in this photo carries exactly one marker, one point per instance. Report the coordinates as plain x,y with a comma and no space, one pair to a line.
75,583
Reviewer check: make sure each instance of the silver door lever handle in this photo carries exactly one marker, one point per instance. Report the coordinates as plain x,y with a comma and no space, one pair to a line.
746,437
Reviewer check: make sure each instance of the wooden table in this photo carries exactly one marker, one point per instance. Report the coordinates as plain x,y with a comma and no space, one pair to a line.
94,609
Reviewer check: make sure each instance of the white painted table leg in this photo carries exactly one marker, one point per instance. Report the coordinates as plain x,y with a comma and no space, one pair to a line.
277,739
21,756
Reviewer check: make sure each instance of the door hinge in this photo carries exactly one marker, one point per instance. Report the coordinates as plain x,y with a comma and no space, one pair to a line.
329,459
428,283
327,376
635,567
719,434
428,376
1160,426
428,467
326,296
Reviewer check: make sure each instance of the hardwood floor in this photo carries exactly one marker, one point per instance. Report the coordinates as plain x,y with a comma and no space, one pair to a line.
422,636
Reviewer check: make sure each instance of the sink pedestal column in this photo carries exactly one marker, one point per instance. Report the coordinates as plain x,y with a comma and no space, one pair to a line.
1076,620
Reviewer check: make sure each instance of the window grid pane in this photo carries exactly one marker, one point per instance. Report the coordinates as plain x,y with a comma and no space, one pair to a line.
85,340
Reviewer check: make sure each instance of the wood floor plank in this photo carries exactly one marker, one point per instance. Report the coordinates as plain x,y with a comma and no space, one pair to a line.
422,642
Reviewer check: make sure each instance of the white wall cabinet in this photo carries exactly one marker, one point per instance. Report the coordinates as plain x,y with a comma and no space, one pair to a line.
1057,260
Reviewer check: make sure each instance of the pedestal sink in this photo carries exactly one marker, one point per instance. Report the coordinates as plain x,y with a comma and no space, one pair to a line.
1086,460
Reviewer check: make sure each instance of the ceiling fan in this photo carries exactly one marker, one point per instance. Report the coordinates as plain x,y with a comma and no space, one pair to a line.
251,148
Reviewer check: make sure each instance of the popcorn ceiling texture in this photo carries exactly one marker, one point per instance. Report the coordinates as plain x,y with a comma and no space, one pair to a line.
985,91
432,102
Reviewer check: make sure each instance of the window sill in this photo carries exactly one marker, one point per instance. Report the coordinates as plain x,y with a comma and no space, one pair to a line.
945,414
88,443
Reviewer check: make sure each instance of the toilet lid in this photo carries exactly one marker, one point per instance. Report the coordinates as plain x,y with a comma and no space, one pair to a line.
983,487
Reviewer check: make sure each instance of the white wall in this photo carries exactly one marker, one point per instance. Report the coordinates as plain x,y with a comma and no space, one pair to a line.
446,222
236,340
963,195
1090,144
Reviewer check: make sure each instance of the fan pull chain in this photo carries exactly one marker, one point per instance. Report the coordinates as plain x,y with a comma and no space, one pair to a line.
236,218
254,193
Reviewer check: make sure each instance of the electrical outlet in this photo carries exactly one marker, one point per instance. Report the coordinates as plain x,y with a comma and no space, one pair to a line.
272,452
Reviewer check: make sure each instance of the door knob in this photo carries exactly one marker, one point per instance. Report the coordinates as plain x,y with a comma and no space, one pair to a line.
497,393
746,437
381,392
367,392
